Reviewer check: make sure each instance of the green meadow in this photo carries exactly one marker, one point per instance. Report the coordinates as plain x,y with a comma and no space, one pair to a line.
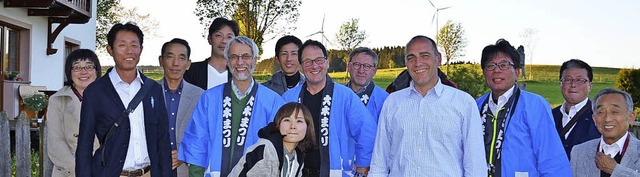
544,79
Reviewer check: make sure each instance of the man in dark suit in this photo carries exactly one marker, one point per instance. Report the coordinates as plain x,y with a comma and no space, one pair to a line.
132,143
618,151
573,118
180,96
213,70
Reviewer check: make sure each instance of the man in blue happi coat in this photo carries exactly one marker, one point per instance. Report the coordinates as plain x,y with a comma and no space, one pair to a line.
340,118
227,117
362,66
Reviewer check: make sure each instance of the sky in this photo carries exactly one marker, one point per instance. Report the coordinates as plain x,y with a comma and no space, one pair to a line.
601,33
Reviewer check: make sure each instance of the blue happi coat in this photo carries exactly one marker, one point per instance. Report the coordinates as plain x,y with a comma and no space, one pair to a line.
202,140
375,102
531,144
350,124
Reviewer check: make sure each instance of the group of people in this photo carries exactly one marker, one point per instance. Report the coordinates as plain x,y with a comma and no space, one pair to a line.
211,118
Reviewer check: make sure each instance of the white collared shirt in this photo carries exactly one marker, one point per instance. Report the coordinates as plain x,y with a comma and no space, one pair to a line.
137,154
215,78
237,92
502,100
614,148
572,112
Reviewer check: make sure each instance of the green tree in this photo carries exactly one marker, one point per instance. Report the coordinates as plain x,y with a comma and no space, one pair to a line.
628,80
258,19
350,36
451,39
105,18
469,79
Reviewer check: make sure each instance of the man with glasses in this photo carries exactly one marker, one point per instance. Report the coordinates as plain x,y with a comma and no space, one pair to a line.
287,57
362,66
341,120
428,128
573,118
519,134
227,117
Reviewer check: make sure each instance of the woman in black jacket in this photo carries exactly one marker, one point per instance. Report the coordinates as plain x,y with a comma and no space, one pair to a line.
282,144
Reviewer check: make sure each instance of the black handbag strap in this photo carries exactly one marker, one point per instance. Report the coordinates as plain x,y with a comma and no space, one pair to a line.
574,120
144,90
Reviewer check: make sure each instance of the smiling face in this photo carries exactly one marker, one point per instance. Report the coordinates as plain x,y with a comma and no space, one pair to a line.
175,61
218,40
612,118
288,59
360,76
293,127
500,80
422,64
315,73
575,92
241,62
83,73
125,51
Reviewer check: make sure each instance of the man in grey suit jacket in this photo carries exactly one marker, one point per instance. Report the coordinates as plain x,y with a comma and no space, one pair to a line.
617,152
180,96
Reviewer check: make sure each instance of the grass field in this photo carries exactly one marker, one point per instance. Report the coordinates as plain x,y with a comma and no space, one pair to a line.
544,81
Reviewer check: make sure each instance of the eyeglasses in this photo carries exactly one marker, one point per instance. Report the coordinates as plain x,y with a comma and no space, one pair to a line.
78,68
317,61
502,65
579,81
244,57
364,66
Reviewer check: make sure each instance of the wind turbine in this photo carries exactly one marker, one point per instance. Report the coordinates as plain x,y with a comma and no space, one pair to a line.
435,15
321,32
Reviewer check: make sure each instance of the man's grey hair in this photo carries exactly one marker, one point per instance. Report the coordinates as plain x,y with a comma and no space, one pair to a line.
606,91
366,51
242,40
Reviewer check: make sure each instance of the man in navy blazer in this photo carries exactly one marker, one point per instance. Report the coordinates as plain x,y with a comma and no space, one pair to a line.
573,118
139,144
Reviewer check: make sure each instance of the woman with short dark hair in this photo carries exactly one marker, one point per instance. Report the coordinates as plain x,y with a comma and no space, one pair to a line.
81,68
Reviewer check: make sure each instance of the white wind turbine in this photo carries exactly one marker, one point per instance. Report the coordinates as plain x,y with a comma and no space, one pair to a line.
321,32
435,15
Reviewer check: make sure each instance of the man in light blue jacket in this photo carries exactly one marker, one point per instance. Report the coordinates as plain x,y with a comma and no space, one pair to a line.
519,132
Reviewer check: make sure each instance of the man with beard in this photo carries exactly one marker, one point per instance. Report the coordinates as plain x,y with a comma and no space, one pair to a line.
340,119
362,66
287,57
227,117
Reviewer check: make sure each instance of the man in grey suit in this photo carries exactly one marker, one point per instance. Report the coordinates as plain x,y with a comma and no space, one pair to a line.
180,96
617,152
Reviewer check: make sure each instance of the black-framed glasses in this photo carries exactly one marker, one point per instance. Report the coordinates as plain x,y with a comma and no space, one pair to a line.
578,81
364,66
502,65
317,61
78,68
244,57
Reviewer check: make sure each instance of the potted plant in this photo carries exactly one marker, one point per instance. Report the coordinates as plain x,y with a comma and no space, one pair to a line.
36,103
12,75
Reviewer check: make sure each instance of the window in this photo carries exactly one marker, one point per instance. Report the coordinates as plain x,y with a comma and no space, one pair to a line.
9,49
69,46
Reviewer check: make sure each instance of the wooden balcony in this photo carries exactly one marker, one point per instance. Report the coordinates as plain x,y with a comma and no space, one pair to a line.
63,12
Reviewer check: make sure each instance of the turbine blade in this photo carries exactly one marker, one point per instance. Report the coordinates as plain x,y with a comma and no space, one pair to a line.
322,27
432,4
328,41
434,17
444,8
315,33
